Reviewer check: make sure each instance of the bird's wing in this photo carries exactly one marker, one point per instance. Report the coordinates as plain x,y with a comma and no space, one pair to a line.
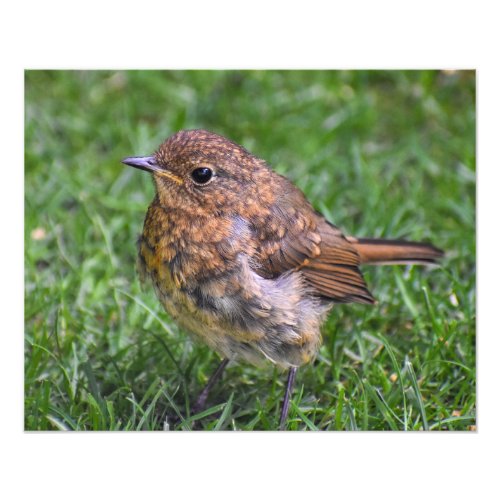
294,237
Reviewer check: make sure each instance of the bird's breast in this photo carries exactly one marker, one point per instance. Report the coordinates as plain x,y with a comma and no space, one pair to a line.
205,275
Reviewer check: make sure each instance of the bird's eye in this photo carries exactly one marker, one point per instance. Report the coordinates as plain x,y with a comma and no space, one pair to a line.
201,175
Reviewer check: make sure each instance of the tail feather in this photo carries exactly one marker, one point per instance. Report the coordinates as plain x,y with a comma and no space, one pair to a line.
380,251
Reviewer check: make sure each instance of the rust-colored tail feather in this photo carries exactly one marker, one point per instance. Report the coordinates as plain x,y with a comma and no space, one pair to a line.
380,251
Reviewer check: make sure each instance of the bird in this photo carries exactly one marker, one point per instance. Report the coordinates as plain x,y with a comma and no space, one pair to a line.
240,259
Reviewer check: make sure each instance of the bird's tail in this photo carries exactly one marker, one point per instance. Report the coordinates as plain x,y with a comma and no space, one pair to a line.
380,251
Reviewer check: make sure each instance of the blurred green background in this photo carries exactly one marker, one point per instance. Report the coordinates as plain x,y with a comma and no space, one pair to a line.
380,153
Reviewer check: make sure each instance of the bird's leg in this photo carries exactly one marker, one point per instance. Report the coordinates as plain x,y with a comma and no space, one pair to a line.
288,393
202,398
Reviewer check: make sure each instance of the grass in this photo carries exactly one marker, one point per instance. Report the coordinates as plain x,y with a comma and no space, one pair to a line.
380,153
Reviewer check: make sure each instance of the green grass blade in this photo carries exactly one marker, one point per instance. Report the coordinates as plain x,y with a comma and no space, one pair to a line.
418,394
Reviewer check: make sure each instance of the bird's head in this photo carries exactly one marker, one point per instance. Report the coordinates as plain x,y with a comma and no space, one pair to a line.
205,173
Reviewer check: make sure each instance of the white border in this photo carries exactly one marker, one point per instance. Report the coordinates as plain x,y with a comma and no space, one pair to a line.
384,34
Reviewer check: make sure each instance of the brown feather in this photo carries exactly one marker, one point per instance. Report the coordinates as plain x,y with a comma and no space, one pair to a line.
314,247
335,273
380,251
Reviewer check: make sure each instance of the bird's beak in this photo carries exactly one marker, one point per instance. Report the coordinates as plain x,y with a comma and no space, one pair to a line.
147,163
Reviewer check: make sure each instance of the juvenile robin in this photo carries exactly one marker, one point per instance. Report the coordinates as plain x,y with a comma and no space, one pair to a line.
241,260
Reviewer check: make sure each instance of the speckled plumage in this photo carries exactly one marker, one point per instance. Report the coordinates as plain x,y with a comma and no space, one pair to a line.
244,263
